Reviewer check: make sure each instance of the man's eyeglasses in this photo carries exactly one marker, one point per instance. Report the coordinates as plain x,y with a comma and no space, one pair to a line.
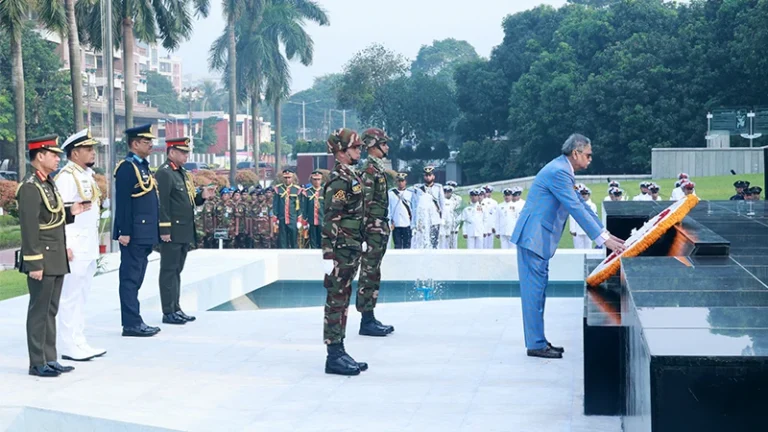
588,155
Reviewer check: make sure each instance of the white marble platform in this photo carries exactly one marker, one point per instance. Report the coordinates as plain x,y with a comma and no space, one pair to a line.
455,365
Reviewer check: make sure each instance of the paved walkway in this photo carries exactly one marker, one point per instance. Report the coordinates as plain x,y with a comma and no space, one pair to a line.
450,366
6,257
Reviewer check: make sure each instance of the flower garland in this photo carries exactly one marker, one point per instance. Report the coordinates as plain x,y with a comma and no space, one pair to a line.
643,238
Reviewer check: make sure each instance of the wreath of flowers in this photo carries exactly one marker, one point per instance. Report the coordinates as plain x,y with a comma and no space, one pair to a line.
643,238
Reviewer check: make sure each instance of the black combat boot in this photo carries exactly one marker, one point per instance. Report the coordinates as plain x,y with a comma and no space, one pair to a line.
337,362
370,326
348,358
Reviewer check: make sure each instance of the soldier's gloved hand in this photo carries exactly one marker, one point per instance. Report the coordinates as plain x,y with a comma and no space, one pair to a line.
364,247
298,225
328,266
105,204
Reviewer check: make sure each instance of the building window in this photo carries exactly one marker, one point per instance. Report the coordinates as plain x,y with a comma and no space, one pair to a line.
90,61
240,129
165,67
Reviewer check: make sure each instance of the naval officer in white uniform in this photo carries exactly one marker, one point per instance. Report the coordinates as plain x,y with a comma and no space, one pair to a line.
76,183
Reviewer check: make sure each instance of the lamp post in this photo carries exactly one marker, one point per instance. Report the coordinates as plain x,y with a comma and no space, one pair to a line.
304,116
190,94
110,95
343,117
751,135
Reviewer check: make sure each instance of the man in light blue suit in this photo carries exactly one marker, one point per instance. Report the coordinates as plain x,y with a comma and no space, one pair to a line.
552,197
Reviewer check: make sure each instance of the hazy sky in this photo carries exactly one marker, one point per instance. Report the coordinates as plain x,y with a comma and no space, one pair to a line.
400,25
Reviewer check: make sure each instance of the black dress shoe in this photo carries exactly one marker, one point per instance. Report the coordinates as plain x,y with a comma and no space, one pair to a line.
546,352
60,368
173,318
556,348
142,330
185,316
44,371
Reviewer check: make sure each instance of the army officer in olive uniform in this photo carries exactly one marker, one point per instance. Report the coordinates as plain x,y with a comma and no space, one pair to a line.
178,199
44,256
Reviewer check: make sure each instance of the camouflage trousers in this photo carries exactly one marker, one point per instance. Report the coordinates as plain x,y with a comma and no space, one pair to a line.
339,289
370,272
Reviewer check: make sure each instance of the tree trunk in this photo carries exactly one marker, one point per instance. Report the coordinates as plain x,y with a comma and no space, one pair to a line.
17,80
231,56
256,131
128,72
75,68
278,131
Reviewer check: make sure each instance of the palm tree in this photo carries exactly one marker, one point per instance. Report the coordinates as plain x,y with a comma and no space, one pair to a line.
142,19
75,68
13,18
265,29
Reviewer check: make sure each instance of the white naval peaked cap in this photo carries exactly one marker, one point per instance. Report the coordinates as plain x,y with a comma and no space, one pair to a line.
82,138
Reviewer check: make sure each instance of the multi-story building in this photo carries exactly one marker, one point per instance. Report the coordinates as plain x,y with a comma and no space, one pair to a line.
177,125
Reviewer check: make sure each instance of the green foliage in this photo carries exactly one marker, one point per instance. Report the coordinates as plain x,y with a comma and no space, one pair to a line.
209,137
48,97
630,74
441,59
364,75
161,94
312,146
10,237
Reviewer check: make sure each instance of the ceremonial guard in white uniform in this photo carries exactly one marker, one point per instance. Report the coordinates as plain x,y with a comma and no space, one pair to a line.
435,190
580,238
401,213
507,214
473,219
644,194
489,206
449,230
76,184
654,188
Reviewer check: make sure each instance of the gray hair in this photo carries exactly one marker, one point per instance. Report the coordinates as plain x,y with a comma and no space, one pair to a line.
575,142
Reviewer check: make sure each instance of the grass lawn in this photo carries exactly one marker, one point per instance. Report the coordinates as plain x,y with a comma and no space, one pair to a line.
12,284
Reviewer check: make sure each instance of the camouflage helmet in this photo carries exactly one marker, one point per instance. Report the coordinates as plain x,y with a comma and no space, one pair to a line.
374,136
342,139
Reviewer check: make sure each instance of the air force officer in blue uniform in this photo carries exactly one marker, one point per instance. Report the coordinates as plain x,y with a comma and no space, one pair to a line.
136,225
552,197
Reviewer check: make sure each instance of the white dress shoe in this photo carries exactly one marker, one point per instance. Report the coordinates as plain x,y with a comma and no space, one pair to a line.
97,352
77,354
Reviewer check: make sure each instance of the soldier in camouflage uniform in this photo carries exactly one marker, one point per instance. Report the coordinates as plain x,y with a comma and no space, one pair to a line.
263,232
240,219
225,213
269,197
208,223
342,239
376,231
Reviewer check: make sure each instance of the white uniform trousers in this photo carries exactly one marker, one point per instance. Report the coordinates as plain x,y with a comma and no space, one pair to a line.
582,241
506,244
475,242
448,241
488,241
70,320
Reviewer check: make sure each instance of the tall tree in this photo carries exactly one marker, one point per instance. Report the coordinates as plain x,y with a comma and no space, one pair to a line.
268,34
13,16
369,70
442,57
75,67
170,21
161,94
